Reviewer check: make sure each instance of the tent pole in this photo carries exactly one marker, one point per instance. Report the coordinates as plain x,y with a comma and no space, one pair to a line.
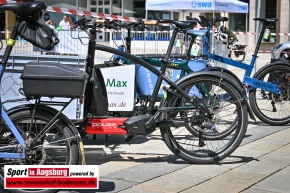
247,38
212,36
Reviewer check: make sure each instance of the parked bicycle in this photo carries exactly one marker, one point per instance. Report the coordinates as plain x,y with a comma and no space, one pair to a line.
36,134
269,87
184,106
178,65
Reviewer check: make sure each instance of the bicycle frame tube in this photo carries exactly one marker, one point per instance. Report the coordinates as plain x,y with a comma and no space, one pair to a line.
179,65
206,40
155,71
16,133
5,117
247,67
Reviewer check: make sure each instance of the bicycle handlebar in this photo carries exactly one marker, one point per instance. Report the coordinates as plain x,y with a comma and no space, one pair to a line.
205,22
115,25
88,21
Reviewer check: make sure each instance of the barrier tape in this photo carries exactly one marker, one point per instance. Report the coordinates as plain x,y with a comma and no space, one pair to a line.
121,18
97,15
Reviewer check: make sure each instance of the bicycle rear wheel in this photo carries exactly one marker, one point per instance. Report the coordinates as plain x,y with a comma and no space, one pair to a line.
229,122
59,146
269,107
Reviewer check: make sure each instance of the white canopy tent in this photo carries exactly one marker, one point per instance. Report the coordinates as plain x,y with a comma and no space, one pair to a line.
231,6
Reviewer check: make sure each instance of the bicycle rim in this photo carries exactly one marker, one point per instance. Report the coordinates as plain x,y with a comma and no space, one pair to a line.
271,108
56,147
229,122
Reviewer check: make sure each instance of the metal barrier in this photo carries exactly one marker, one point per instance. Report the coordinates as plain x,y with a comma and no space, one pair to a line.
143,42
148,42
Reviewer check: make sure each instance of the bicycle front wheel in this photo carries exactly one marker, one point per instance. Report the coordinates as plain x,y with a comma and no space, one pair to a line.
271,108
58,146
228,123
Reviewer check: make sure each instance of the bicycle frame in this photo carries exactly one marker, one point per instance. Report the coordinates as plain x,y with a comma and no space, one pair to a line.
160,74
5,117
254,83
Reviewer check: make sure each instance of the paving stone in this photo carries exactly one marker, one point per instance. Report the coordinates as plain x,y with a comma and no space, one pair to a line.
253,190
231,181
278,182
282,152
260,132
145,171
173,182
207,171
137,190
114,166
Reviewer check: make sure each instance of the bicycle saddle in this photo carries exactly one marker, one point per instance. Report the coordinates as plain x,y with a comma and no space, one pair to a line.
196,32
266,20
24,9
183,25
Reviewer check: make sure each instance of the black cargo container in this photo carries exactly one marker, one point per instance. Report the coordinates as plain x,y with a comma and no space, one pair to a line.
53,80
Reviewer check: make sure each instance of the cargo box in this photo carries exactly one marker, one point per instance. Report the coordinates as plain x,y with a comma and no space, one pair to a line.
53,80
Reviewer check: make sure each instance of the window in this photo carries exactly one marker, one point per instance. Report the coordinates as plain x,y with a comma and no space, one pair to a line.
138,8
93,2
270,8
107,2
117,7
238,21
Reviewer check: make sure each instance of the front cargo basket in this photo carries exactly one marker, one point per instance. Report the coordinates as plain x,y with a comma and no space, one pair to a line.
53,80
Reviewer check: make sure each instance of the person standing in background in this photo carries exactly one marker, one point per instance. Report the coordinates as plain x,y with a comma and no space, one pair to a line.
64,24
50,24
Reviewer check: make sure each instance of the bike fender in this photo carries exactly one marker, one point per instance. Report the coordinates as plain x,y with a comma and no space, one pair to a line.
219,69
211,73
268,66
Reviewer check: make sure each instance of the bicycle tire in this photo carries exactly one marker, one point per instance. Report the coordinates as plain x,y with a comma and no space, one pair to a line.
268,106
179,139
60,132
1,44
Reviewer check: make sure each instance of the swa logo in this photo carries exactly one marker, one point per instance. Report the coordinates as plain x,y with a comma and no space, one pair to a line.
200,4
243,8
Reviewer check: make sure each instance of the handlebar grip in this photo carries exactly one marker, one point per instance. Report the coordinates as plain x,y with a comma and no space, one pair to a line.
150,23
223,19
100,21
